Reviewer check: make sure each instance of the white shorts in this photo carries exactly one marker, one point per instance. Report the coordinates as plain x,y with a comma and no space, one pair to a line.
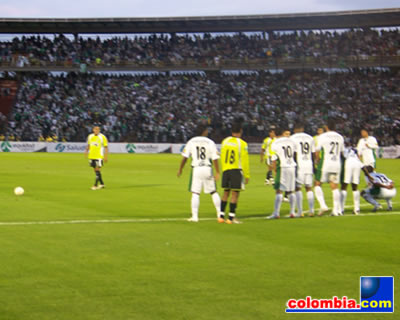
202,179
285,179
386,193
327,177
352,172
304,179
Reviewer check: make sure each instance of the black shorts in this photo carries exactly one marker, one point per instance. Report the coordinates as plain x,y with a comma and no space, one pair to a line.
232,180
96,163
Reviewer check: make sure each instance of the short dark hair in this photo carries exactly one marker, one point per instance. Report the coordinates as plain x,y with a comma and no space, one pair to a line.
331,124
237,125
298,125
201,127
369,169
279,131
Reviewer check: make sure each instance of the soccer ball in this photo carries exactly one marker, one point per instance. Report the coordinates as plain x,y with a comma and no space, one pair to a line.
19,191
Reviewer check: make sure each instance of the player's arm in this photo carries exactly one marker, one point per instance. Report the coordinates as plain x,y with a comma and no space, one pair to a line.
216,167
87,150
105,153
262,155
245,164
380,185
181,166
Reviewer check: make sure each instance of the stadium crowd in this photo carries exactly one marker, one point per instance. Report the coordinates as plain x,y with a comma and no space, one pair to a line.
206,49
165,108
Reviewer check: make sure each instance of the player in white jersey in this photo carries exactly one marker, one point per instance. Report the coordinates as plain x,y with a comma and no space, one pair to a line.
328,158
367,147
379,187
204,154
305,151
351,174
285,172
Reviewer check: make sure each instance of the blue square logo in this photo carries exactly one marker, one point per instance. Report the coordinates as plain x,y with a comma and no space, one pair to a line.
377,294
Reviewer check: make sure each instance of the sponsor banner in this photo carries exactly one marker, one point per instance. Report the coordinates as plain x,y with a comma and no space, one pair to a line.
11,146
66,147
140,148
254,148
391,152
376,296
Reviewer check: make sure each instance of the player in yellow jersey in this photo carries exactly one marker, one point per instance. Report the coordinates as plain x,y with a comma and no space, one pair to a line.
97,152
235,171
266,153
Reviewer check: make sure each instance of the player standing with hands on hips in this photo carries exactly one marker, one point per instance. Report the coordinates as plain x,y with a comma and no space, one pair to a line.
235,171
97,152
204,154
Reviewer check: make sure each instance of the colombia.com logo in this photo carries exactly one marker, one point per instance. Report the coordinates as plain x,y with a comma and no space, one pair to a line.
376,296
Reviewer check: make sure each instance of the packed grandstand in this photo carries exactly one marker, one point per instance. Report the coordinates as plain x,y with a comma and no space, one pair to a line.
163,105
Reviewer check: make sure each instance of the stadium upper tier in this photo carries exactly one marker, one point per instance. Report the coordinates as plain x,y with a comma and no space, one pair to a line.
351,48
298,21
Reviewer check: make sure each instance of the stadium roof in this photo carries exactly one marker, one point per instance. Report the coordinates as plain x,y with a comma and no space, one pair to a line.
298,21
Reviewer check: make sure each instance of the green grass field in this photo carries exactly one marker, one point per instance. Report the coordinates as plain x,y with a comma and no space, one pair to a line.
152,264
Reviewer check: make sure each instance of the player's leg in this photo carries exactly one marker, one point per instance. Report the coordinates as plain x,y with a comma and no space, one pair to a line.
269,178
226,185
232,207
224,202
356,198
195,204
195,187
99,164
300,180
290,188
310,200
343,196
278,196
210,187
319,194
367,195
388,195
334,183
299,200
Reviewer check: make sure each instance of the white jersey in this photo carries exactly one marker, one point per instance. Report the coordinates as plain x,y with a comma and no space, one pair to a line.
351,156
331,145
202,150
366,148
379,178
305,147
283,151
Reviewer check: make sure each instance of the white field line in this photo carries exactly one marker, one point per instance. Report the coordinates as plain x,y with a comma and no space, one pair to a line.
58,222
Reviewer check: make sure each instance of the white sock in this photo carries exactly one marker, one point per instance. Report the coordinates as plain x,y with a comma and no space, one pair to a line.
336,201
292,201
343,196
389,203
370,199
319,194
217,202
278,202
195,205
356,200
310,198
299,202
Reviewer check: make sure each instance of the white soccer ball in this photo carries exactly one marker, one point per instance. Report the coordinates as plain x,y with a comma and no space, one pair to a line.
19,191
